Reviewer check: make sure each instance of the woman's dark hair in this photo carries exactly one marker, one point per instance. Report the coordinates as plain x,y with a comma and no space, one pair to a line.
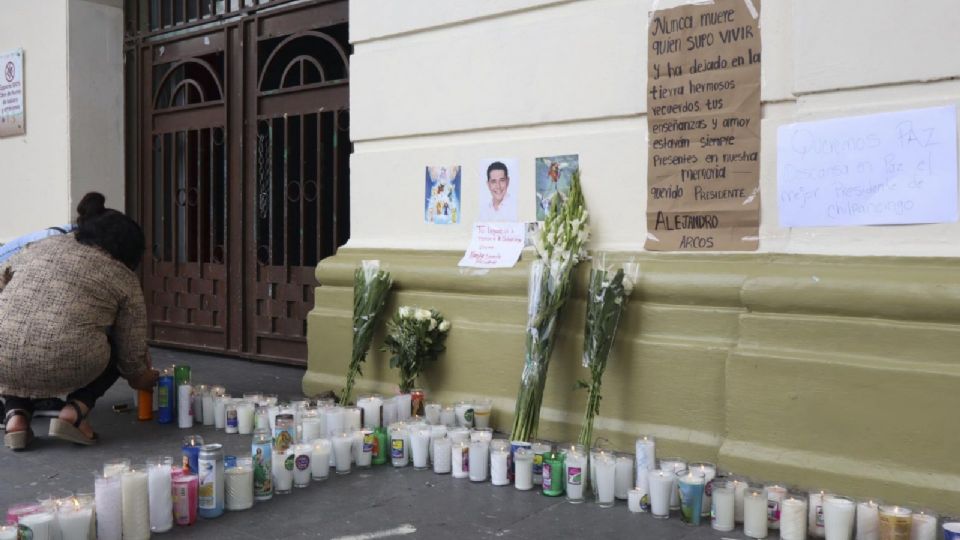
91,205
115,233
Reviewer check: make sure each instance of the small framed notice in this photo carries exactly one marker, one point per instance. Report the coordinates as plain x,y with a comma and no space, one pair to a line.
12,111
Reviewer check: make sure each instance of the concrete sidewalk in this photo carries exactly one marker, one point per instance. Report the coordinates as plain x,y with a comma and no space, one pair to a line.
377,503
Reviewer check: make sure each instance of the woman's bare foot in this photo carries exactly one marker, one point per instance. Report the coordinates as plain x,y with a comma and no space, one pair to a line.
69,415
17,423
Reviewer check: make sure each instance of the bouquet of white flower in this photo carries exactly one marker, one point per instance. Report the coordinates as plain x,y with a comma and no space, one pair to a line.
370,288
606,299
415,338
560,246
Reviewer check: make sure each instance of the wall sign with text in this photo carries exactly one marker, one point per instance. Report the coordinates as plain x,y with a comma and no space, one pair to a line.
703,122
12,111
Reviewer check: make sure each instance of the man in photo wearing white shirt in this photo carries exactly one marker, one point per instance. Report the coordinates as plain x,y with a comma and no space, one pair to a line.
502,206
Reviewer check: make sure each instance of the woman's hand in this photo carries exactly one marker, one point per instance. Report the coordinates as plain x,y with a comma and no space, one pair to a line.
145,381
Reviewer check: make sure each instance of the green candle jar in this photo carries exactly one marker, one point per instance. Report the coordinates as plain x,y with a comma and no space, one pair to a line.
381,448
553,474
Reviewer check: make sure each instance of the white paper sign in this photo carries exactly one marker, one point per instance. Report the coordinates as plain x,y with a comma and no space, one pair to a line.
11,93
494,245
889,168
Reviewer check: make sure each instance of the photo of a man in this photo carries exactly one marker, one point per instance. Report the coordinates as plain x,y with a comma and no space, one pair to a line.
498,201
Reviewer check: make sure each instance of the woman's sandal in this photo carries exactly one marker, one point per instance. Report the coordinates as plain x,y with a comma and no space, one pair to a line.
17,440
66,431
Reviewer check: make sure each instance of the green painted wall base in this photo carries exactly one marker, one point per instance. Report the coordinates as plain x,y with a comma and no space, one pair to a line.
829,373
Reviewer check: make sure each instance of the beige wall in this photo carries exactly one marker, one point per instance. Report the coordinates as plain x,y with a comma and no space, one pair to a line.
73,67
34,168
456,82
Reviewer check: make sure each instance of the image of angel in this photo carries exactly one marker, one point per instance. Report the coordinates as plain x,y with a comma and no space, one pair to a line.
553,180
442,195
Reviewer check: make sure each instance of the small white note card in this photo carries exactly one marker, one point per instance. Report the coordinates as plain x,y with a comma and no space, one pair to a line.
495,245
880,169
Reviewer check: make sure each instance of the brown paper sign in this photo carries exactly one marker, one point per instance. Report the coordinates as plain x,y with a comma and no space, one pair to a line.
703,126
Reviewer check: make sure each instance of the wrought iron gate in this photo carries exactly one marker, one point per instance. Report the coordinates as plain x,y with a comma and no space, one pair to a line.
237,111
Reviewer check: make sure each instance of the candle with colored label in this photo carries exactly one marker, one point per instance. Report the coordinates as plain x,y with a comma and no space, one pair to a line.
576,464
645,462
460,458
301,464
815,513
283,471
775,496
709,471
690,484
895,523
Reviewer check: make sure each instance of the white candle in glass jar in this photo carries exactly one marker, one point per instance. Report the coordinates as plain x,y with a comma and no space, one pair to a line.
245,410
895,522
352,418
755,512
793,518
404,407
320,459
674,465
868,520
161,494
775,496
420,450
282,471
498,466
815,513
464,412
75,520
460,459
312,428
302,454
389,411
633,500
838,517
739,486
108,500
623,477
481,413
709,472
431,412
436,432
459,434
43,525
924,526
441,453
372,407
136,504
722,511
208,409
523,468
8,532
606,466
197,394
660,483
479,458
185,406
335,423
238,485
448,417
342,450
646,461
575,463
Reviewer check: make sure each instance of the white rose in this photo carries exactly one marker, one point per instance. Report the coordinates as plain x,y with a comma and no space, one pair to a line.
405,311
422,315
433,324
445,326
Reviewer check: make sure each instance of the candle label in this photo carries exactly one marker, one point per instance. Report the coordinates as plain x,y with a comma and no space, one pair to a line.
537,464
262,479
574,476
465,459
288,463
645,502
547,477
396,448
773,511
369,443
181,504
820,516
231,418
208,484
303,462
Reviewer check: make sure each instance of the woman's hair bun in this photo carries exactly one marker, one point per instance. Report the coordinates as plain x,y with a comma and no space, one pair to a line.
91,205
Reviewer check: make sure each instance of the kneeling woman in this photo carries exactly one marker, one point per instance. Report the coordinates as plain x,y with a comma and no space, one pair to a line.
63,302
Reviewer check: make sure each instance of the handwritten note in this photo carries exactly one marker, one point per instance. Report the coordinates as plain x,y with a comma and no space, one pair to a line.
495,245
879,169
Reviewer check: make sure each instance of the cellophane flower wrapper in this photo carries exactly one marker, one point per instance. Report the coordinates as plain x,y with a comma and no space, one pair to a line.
415,338
559,246
607,294
371,287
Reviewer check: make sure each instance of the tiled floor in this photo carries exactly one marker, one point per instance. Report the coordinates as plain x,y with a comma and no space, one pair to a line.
378,503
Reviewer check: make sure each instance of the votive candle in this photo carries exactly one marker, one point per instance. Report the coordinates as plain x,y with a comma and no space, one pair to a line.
441,455
420,450
838,517
575,464
691,483
793,517
75,520
135,504
755,512
775,496
815,513
108,497
660,482
245,410
624,477
342,448
320,459
868,520
479,458
302,453
895,522
460,459
283,471
161,493
238,485
498,466
43,525
673,465
523,468
923,526
646,461
722,511
739,486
